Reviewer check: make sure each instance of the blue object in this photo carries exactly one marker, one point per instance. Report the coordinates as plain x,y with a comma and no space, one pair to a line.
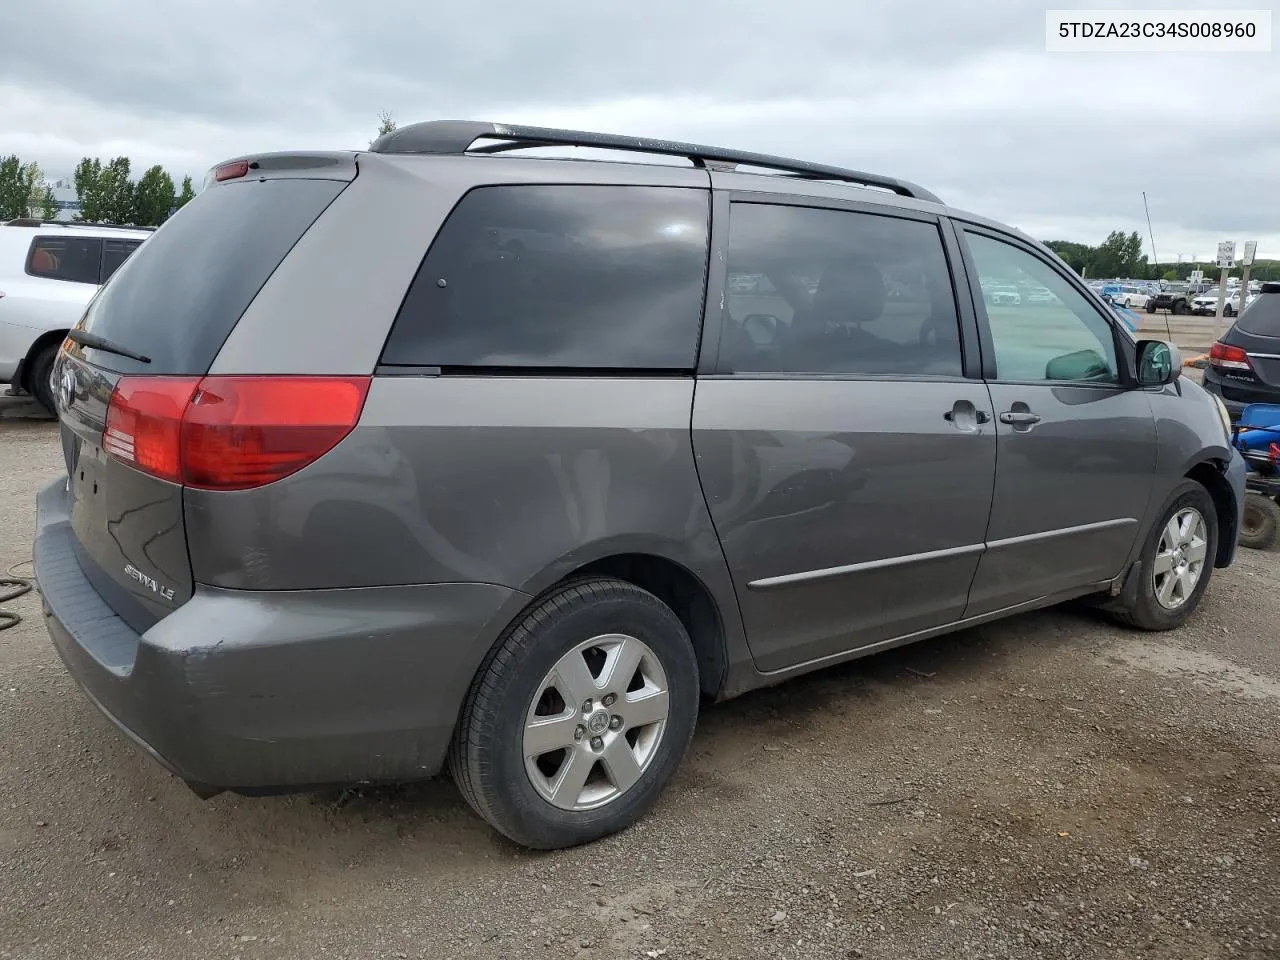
1257,437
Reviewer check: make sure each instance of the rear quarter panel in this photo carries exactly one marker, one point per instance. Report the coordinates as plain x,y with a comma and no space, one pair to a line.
514,481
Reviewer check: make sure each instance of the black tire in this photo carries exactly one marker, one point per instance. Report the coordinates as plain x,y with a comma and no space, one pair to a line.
1151,308
1144,611
1179,307
486,758
1260,522
1228,310
39,380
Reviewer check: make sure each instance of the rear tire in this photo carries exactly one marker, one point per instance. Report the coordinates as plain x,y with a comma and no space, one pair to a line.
41,376
1177,561
1261,520
533,689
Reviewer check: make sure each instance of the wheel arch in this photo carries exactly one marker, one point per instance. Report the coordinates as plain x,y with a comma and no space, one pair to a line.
681,590
47,339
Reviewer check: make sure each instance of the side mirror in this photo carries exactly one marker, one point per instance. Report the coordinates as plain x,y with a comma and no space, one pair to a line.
1159,363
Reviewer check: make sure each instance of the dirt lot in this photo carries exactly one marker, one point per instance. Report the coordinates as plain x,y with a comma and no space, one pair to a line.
1051,786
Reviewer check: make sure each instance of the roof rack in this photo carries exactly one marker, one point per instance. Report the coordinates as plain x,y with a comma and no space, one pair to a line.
459,136
37,222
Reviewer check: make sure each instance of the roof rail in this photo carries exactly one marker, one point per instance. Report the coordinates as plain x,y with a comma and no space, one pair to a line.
459,136
37,222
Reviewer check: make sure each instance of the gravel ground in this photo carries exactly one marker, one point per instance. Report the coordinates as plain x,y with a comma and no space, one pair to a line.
1050,786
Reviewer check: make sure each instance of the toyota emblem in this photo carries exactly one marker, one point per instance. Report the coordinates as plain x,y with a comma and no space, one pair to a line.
67,387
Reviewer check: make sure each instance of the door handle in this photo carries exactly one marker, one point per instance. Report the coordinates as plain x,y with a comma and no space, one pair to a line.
965,416
1019,418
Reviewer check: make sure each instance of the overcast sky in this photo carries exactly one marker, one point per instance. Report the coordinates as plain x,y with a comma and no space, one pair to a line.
958,95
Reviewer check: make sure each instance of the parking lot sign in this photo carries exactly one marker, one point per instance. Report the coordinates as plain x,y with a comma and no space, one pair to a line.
1250,248
1227,254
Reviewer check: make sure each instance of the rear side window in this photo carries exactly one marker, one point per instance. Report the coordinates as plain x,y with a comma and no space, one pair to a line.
114,253
834,292
1262,317
75,259
180,295
560,277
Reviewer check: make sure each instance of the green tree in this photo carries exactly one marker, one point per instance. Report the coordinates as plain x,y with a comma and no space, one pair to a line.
1078,256
187,195
117,191
13,195
153,198
48,205
90,190
33,177
386,124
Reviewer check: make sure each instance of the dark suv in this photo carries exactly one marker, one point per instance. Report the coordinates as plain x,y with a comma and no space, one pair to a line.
381,458
1244,366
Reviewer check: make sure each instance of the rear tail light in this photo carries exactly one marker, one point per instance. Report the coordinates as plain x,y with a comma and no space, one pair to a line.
229,433
1226,357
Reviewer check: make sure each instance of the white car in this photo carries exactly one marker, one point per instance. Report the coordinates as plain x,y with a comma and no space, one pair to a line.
48,274
1003,294
1131,297
1206,304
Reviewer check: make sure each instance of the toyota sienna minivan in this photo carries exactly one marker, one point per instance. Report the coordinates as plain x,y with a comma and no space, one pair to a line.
446,454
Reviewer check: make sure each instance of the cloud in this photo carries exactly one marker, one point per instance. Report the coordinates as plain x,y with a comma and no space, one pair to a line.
959,97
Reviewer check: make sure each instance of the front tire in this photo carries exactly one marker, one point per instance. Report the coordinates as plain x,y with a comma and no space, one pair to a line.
1261,519
40,379
579,717
1177,561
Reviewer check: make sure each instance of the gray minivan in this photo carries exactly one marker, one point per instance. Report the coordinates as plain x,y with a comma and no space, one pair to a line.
428,454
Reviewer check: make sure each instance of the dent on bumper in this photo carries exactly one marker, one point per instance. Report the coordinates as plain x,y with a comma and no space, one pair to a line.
245,690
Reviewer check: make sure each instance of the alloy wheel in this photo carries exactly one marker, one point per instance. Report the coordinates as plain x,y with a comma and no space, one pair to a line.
595,722
1180,558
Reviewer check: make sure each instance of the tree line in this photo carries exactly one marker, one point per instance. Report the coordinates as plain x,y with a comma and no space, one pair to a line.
107,193
1120,255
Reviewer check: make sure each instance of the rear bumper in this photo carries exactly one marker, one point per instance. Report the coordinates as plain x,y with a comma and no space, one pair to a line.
260,691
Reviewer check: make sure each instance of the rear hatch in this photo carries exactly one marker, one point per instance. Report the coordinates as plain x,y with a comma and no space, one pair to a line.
160,322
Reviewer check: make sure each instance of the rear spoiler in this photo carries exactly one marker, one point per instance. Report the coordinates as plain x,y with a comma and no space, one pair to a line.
317,165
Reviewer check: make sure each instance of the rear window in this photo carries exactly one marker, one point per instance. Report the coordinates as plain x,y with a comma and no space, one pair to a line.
560,277
180,295
1262,317
74,259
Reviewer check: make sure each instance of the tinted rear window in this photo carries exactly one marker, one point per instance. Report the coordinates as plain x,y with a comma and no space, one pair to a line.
560,276
179,296
75,259
1262,317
